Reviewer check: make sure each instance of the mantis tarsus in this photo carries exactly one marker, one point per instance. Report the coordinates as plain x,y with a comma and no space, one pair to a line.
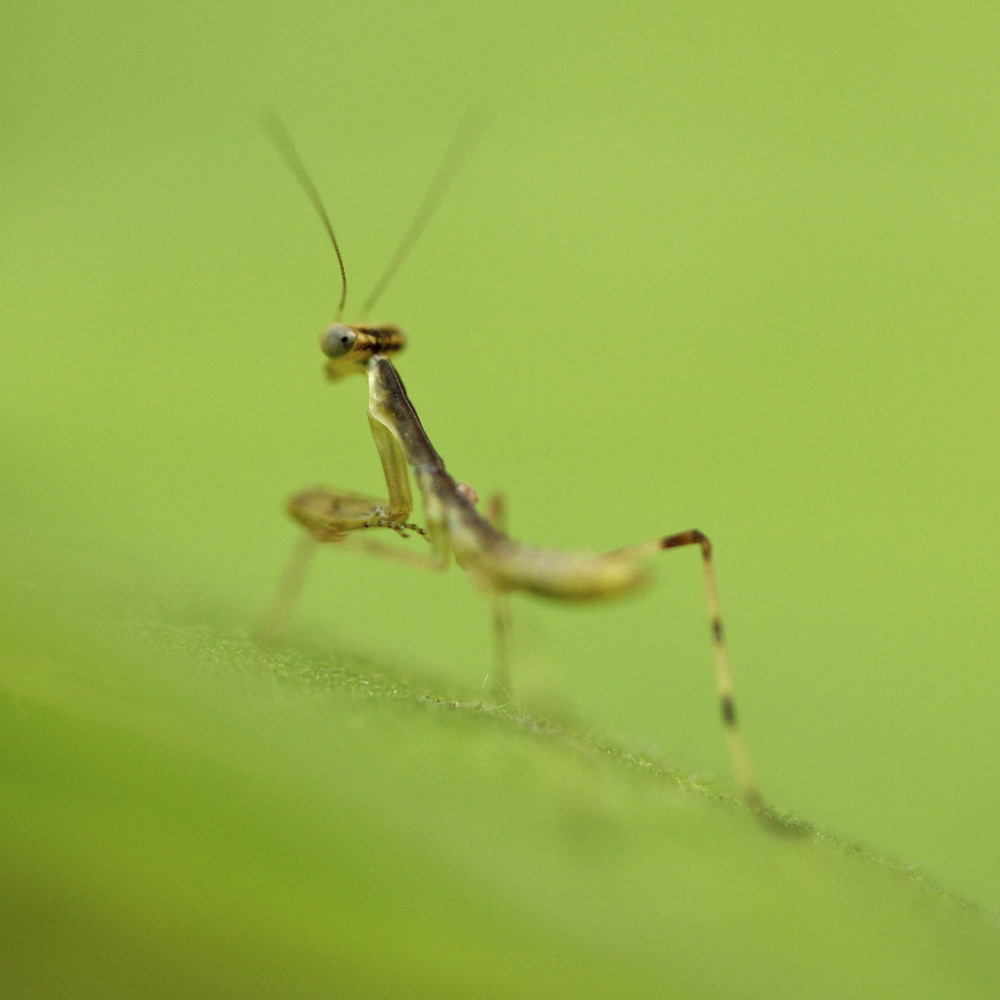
454,525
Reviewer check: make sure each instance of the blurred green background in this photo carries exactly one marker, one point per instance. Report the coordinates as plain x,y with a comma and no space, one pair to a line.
724,267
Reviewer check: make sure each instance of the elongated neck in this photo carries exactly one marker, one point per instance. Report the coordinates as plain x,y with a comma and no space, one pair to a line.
389,403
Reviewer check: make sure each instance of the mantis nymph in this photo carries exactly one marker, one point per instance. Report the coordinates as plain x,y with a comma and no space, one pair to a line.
454,526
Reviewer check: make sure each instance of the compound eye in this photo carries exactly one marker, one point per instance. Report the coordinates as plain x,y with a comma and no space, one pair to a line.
337,340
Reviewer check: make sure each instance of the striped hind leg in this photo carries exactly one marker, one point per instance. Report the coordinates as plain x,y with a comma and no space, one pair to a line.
742,768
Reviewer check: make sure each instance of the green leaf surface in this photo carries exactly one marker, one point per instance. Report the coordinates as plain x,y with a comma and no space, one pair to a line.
188,814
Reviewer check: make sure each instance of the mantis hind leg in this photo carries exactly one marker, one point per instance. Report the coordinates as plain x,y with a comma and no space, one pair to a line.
743,770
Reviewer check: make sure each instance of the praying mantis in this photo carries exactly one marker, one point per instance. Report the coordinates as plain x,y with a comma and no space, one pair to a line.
455,527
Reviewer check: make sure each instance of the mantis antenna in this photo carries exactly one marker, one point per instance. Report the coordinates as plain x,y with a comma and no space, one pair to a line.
461,145
283,141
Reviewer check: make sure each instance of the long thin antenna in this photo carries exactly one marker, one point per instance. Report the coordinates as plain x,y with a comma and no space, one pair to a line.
283,141
458,149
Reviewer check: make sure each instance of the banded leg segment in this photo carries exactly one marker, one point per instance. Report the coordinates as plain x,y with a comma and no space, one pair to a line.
746,779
